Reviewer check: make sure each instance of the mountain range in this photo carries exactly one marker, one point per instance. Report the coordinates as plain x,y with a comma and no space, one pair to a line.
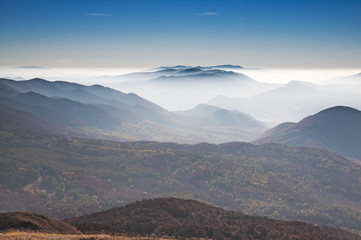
56,157
183,87
223,72
208,114
223,66
101,112
291,102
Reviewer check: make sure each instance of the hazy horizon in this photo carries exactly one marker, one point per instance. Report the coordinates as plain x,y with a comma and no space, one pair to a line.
276,95
80,74
97,42
137,99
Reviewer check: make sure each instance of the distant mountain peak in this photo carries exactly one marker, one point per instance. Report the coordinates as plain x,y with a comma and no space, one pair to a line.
30,67
229,66
200,110
177,67
38,80
299,83
202,105
339,108
180,67
167,70
191,70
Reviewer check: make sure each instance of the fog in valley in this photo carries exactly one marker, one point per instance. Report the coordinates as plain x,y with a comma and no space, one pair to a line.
269,95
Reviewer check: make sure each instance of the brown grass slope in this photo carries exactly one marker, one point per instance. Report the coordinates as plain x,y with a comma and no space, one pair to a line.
57,236
28,221
189,218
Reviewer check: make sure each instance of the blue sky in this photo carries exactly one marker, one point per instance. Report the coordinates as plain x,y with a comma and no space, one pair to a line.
148,33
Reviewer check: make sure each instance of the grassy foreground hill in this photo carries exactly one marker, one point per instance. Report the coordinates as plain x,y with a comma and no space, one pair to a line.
33,226
66,177
53,236
192,219
163,218
28,221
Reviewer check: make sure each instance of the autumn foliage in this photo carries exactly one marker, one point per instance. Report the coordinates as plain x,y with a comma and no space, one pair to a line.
188,218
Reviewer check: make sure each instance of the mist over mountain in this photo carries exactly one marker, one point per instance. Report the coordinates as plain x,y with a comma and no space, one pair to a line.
195,76
101,112
291,102
212,114
200,110
86,94
337,128
182,72
228,66
357,75
183,87
223,66
353,80
63,112
253,107
55,159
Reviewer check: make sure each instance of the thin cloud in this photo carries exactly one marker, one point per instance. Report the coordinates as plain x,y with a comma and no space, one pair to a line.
206,14
100,14
27,67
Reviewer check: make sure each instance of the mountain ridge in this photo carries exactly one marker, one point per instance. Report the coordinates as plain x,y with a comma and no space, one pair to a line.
335,128
290,102
105,113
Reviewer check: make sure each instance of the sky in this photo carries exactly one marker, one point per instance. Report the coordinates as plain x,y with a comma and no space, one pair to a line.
148,33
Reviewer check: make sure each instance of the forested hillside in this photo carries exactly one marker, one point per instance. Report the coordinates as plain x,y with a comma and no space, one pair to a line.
65,177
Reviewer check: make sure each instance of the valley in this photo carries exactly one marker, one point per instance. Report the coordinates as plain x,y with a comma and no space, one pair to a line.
180,119
71,177
69,149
